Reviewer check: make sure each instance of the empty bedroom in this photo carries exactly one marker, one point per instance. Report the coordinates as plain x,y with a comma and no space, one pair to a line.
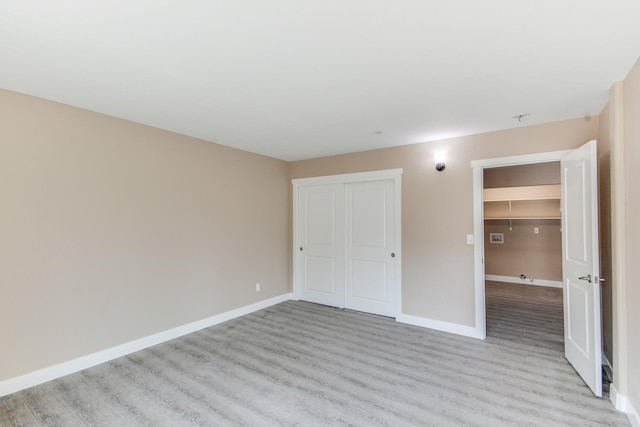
309,213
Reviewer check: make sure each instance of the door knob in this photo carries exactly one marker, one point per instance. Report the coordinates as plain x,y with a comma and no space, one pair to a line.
393,254
301,248
587,278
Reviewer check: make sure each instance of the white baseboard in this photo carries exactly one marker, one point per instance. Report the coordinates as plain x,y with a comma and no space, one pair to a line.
454,328
633,416
527,281
622,403
31,379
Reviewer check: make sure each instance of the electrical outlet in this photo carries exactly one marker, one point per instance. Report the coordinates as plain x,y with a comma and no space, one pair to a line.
257,287
536,230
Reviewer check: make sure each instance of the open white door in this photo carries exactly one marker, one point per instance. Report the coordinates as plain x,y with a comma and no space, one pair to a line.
581,266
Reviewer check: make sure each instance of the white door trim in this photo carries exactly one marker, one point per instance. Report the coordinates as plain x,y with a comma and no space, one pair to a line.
478,220
391,174
349,177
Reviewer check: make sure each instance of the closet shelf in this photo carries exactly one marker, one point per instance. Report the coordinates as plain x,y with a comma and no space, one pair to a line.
530,192
531,202
522,217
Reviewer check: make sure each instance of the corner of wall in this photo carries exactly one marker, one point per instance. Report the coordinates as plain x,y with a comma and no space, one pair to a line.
623,404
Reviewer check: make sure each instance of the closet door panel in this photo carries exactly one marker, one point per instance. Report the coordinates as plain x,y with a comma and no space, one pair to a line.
370,247
321,244
368,280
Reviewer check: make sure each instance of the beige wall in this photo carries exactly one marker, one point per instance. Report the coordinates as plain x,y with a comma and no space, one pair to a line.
437,207
623,139
631,94
522,175
111,231
523,252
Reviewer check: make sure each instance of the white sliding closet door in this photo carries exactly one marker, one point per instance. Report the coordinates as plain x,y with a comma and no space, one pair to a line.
347,239
321,244
370,247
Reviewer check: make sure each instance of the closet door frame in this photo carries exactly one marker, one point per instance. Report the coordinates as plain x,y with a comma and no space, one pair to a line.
388,174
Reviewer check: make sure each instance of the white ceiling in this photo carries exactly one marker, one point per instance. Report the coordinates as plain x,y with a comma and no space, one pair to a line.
297,79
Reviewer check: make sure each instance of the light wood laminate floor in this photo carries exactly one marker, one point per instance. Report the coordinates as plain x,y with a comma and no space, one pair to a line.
303,364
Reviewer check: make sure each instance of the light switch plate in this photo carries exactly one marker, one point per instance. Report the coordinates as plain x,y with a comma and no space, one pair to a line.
469,239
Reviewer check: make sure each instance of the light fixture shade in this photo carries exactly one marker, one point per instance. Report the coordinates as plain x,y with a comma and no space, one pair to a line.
438,158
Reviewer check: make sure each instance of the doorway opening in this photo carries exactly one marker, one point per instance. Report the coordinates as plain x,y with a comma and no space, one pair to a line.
479,167
523,253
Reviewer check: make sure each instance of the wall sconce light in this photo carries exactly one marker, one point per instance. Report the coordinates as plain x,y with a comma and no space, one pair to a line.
439,159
